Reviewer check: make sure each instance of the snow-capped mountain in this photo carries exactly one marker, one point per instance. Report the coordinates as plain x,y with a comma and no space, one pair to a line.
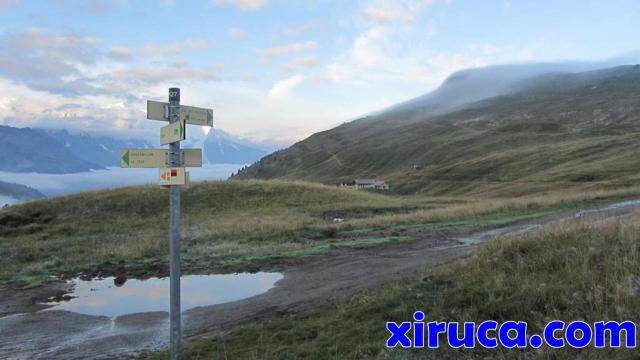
220,147
100,150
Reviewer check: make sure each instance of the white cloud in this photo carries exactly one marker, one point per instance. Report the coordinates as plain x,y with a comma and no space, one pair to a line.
28,107
247,5
283,88
236,32
153,75
377,57
121,54
384,12
383,16
268,53
306,62
57,81
152,49
386,56
79,83
302,28
97,7
47,61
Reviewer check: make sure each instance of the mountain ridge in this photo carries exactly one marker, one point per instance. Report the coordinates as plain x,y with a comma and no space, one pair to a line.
59,151
18,192
32,150
553,122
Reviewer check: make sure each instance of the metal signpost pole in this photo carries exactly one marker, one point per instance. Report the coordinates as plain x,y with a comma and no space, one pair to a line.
172,174
174,232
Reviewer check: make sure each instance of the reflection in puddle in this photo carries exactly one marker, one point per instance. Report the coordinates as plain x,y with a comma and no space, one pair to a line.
120,296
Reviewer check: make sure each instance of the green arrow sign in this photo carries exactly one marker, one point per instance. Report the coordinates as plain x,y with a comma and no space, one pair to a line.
125,158
157,158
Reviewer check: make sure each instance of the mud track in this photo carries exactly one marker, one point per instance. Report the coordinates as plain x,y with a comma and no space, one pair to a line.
307,283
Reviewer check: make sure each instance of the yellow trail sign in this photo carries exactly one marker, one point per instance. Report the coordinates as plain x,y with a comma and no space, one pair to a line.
157,158
157,110
172,176
172,133
191,157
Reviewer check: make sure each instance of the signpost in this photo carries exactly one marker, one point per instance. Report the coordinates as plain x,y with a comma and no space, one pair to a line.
157,110
171,174
158,158
172,133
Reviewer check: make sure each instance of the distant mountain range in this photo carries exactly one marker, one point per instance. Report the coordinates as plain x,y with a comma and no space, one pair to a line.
102,151
223,148
60,152
33,150
483,130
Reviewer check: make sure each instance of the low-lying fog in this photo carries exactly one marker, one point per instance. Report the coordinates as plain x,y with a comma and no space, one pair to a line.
61,184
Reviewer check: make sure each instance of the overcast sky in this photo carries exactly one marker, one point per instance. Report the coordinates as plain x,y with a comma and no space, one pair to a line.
275,70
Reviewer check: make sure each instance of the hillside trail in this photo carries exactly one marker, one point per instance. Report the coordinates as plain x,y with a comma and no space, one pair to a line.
307,283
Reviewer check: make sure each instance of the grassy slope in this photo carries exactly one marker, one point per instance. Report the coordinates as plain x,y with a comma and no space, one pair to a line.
233,225
220,219
577,271
571,131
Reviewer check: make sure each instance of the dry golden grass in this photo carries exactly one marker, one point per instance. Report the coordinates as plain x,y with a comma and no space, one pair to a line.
229,222
460,208
580,269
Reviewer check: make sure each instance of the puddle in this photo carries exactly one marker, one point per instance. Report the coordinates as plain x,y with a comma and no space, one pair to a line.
615,206
476,239
112,297
623,204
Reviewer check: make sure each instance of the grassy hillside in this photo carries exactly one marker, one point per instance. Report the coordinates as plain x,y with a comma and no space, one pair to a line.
81,231
564,131
581,270
233,224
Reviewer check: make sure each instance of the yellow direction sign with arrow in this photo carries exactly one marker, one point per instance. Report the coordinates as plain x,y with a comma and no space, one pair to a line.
157,158
172,133
157,110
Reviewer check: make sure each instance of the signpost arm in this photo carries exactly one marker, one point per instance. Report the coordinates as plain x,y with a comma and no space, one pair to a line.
174,233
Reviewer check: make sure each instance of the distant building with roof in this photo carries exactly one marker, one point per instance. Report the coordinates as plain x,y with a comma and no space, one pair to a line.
371,184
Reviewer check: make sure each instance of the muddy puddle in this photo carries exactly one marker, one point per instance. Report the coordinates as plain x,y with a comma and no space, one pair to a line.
115,297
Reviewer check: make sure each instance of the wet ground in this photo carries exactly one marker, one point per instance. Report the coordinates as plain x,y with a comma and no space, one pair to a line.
59,334
114,297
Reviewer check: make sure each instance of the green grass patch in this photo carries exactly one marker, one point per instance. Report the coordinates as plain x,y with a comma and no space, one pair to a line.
233,222
573,272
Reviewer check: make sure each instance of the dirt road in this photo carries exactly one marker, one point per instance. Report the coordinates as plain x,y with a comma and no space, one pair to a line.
306,284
